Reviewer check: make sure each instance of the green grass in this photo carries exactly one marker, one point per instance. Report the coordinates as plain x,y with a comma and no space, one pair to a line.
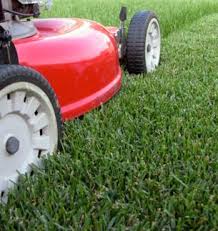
173,14
147,160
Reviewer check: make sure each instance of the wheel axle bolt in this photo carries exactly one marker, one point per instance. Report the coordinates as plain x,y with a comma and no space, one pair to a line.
12,145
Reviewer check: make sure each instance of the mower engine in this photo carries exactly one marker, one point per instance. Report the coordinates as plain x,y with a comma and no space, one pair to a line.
15,23
13,13
22,8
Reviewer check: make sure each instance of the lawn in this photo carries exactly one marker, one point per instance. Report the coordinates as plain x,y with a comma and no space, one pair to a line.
148,159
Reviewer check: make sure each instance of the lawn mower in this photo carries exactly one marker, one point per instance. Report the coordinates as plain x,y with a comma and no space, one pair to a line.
54,70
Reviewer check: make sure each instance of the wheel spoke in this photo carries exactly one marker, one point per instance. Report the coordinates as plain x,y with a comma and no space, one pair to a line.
148,62
155,34
3,189
152,28
3,184
26,168
41,143
30,107
40,122
5,106
18,100
152,65
155,43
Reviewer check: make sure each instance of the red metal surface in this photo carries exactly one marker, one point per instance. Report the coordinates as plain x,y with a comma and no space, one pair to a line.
78,57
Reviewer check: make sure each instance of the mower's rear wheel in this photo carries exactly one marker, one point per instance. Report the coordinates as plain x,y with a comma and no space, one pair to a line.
30,123
143,43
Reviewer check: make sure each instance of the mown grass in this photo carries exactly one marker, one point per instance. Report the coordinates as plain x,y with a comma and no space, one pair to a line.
148,159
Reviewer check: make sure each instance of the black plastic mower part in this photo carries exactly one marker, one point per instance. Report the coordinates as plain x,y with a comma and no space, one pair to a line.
2,16
122,31
123,14
8,53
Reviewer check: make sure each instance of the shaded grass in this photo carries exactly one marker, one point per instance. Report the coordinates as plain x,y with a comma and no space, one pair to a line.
147,160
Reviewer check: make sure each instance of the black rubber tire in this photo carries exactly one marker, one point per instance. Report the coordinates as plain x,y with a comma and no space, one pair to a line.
10,74
135,53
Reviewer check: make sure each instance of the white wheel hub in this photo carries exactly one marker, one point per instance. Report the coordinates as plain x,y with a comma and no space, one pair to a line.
28,131
152,45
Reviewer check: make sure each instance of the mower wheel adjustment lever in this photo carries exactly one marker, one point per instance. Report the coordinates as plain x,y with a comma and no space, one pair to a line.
5,42
122,32
123,14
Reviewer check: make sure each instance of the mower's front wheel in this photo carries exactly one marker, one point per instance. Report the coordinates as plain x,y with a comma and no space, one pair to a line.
143,43
30,123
